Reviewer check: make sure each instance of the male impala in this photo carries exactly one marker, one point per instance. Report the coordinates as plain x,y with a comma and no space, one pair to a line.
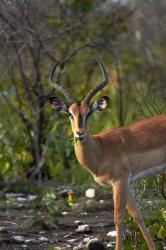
116,156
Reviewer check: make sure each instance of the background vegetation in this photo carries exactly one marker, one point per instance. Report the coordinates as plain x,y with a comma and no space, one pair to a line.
129,36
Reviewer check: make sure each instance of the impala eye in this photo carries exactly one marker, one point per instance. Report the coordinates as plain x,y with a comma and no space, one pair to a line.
70,116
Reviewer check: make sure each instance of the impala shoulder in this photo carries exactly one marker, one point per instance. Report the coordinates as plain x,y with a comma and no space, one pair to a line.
118,137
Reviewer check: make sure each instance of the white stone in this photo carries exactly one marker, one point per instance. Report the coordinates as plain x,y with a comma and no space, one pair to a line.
110,245
71,240
19,238
88,239
78,222
21,199
90,193
65,213
66,236
67,247
31,197
13,195
79,247
111,234
84,213
24,246
101,201
82,228
30,240
43,238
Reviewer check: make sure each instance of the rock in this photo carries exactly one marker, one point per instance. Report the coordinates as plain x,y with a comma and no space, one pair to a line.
83,228
71,240
27,198
2,229
43,239
66,236
111,234
90,243
79,247
90,193
101,201
111,245
20,196
65,213
69,247
88,239
30,240
84,213
13,195
78,222
24,246
19,238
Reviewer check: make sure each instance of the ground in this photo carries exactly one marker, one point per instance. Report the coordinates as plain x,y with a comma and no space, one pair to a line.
21,228
49,219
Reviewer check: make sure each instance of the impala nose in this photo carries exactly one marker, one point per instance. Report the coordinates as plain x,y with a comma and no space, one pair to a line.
80,136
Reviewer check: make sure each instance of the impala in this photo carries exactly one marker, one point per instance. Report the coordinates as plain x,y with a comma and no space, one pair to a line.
116,156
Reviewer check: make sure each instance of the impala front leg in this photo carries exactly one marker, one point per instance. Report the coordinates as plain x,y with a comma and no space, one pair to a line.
120,197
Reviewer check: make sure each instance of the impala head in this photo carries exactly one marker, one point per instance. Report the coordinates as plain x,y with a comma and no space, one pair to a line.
79,112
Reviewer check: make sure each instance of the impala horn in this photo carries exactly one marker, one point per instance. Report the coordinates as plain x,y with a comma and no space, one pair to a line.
57,86
96,89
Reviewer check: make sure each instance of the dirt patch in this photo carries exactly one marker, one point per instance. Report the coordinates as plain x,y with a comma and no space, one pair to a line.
50,221
15,233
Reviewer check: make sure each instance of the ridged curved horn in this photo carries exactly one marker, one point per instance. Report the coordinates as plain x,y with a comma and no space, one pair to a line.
98,87
61,89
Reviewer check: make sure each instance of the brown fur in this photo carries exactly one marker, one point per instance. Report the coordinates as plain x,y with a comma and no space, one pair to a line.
118,156
123,147
115,155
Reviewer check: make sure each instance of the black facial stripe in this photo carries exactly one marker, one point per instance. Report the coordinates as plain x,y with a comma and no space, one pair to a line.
80,121
88,114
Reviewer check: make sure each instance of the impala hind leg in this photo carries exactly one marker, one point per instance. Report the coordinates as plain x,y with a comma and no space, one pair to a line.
120,196
136,215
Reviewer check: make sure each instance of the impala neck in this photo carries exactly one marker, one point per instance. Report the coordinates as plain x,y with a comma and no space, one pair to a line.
86,154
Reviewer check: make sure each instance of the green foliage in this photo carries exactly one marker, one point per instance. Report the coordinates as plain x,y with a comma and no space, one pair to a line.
72,24
55,22
14,157
83,6
155,221
49,210
52,247
49,204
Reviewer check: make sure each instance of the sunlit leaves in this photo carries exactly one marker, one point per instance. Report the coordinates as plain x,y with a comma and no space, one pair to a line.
155,222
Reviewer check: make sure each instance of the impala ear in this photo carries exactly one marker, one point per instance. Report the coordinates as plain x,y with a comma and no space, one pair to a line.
100,104
58,105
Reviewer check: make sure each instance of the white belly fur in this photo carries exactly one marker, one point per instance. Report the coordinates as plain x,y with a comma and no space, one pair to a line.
148,172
